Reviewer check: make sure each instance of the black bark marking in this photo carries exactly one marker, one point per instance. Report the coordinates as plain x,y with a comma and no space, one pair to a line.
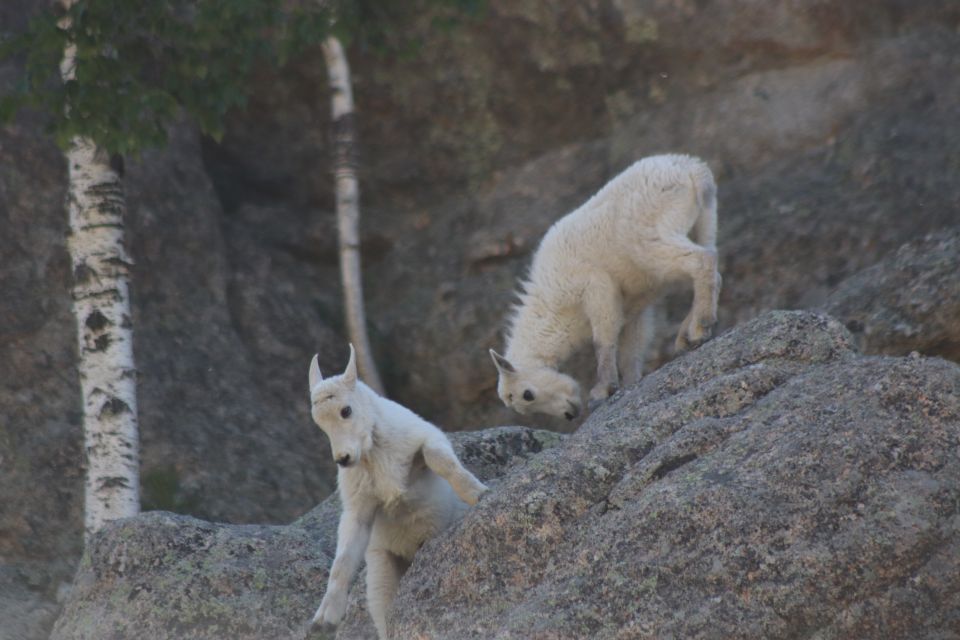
96,321
112,482
82,274
118,262
102,343
102,225
110,294
670,465
108,189
114,407
345,152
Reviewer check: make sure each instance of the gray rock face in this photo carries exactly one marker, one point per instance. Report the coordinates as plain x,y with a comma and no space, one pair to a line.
772,484
230,378
861,160
41,473
910,301
162,575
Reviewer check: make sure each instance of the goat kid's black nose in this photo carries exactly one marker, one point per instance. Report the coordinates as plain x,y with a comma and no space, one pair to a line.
572,412
343,461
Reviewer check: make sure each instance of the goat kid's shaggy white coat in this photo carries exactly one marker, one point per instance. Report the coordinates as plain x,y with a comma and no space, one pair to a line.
596,274
400,482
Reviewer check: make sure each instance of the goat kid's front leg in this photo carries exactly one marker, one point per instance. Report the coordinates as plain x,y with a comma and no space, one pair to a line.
353,534
635,341
603,305
444,462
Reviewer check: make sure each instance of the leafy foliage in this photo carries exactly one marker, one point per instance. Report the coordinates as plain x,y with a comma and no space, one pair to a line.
139,63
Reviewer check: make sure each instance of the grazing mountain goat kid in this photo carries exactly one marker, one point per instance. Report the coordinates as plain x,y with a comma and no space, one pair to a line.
400,482
595,275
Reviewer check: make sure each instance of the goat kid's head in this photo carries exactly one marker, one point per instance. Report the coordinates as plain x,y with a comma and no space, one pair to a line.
537,389
342,408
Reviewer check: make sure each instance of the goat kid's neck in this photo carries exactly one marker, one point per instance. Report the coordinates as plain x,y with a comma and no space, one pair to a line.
539,336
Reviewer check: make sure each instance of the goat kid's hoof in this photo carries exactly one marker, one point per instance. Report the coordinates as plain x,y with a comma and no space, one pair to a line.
686,343
705,336
595,403
319,628
602,392
476,494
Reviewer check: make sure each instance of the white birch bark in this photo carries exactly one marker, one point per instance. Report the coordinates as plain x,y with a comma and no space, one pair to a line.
348,207
101,305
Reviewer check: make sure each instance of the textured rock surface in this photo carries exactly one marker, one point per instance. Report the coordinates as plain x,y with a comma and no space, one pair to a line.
221,374
910,301
772,484
162,575
41,481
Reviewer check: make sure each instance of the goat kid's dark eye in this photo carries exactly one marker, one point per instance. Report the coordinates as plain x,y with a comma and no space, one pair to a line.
346,411
528,395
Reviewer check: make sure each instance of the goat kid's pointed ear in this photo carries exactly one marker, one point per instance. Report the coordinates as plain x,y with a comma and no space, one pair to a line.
350,373
314,377
503,365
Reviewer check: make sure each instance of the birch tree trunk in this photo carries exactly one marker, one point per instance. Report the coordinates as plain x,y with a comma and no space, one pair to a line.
101,305
348,206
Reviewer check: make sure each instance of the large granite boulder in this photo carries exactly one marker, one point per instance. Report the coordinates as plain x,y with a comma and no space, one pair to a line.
166,576
772,484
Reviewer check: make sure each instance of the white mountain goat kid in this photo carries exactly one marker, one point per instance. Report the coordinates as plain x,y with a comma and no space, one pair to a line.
400,482
596,274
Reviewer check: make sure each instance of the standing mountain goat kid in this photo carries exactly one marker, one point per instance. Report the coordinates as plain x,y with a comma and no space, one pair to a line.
596,274
399,481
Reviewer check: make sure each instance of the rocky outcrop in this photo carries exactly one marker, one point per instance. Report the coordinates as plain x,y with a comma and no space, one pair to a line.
909,301
772,484
162,575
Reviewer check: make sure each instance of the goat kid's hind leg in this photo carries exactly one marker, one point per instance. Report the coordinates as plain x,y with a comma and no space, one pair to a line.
678,254
384,571
603,305
698,326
